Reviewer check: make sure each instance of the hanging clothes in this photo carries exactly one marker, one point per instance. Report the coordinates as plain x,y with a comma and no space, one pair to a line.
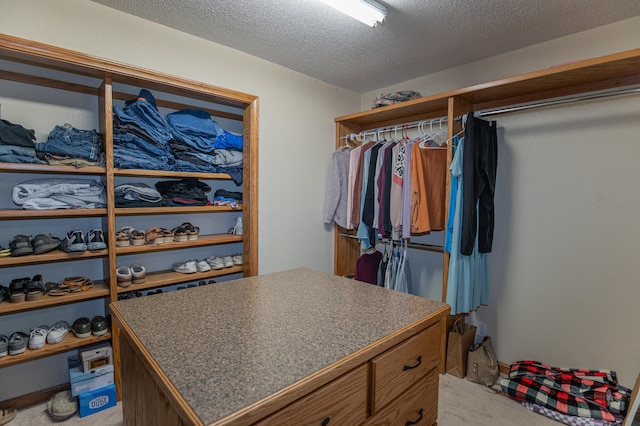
479,165
357,189
402,280
366,231
367,266
467,284
337,188
395,194
406,190
428,189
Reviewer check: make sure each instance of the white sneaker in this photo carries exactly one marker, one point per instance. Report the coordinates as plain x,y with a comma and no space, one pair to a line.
215,262
203,266
237,259
237,229
57,332
227,261
38,337
188,267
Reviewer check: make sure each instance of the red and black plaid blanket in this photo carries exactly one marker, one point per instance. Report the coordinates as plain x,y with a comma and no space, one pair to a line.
584,393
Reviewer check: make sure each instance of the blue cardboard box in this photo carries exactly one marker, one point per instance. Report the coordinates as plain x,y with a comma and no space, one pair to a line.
98,400
95,379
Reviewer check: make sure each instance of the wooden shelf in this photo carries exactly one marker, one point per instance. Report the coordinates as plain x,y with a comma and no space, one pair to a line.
52,256
164,174
165,278
46,168
202,241
18,214
99,290
138,211
69,342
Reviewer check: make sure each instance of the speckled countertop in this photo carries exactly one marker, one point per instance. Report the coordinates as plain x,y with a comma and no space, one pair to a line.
227,345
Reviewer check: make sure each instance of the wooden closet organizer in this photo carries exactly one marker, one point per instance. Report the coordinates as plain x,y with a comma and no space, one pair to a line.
592,75
77,73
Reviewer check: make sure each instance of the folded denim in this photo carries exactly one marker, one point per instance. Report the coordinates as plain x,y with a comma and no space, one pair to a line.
195,128
72,142
186,166
15,134
138,191
26,159
124,158
59,193
74,161
133,141
223,193
146,116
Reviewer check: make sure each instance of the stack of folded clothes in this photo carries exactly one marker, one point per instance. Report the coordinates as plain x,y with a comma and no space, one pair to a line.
223,197
60,193
183,192
137,195
70,146
200,145
17,144
141,135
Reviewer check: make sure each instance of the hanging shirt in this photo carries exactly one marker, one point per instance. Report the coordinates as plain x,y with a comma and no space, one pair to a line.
337,187
357,189
395,195
376,194
406,190
354,156
367,267
428,189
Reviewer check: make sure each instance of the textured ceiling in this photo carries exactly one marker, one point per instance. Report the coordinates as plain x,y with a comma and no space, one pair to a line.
419,37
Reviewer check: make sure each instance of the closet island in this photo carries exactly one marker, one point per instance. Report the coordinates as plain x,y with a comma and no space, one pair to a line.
292,347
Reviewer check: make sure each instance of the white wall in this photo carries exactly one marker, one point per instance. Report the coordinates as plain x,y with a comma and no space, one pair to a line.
296,132
564,271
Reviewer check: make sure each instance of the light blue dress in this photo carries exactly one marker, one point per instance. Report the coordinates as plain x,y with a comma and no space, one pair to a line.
467,285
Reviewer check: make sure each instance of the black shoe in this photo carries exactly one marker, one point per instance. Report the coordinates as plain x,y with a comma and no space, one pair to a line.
18,289
99,325
95,240
82,327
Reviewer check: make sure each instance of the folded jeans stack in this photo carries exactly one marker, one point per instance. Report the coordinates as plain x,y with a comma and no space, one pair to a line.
17,144
68,142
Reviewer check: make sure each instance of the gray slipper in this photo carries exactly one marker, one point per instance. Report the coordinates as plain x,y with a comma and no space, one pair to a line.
62,406
44,243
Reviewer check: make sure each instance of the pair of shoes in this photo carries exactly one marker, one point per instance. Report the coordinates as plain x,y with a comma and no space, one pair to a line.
20,245
38,337
57,332
237,259
45,243
192,231
201,283
227,261
17,343
99,325
180,234
7,414
155,235
62,406
134,274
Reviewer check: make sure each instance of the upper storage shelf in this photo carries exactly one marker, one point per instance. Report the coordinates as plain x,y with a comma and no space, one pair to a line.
606,72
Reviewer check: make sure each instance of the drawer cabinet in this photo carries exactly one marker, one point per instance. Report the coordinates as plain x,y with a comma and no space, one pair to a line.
397,369
341,402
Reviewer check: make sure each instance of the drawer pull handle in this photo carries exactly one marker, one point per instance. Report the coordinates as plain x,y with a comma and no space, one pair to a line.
326,421
408,423
411,367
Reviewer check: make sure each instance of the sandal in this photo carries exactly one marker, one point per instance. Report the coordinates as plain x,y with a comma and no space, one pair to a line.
179,233
34,288
20,245
77,284
59,290
17,289
122,239
167,236
137,237
192,231
153,236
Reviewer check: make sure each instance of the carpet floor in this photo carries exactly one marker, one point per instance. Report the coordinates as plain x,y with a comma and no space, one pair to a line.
461,403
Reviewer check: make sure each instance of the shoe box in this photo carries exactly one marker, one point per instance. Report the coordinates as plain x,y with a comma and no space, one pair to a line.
88,381
97,400
95,356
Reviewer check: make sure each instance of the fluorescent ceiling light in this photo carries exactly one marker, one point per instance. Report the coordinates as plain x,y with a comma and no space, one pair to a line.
365,11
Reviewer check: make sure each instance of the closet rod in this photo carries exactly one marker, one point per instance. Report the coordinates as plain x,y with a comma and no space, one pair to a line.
406,126
557,101
417,246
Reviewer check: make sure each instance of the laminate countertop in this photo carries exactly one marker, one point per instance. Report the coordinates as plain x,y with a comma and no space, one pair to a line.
228,345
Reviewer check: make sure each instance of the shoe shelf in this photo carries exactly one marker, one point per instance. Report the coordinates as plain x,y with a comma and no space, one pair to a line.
164,278
52,256
202,241
46,168
69,342
99,290
137,211
14,214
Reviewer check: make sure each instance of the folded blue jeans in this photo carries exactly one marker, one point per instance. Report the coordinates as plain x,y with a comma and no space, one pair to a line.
71,142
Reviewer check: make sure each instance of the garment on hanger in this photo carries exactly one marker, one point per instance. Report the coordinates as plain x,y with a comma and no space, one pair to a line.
383,197
367,266
406,190
366,230
467,284
376,195
337,188
357,190
479,165
428,189
395,194
382,268
402,280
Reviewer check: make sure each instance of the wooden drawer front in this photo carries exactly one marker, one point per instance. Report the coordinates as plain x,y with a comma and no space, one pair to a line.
417,406
341,402
401,366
